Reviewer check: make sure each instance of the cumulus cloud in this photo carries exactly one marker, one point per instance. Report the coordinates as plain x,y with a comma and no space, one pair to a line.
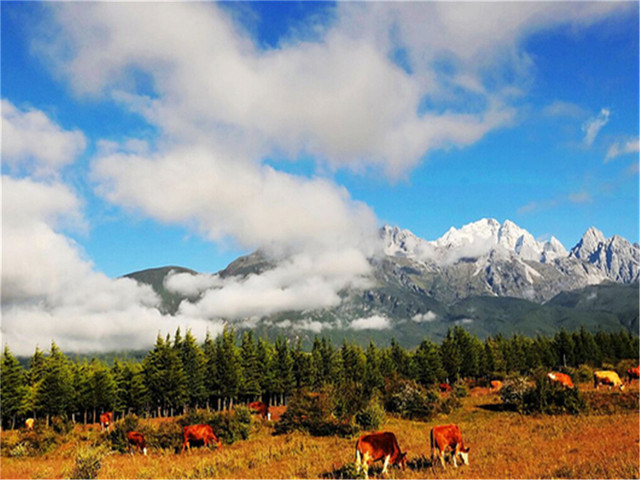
622,148
300,282
592,127
424,317
30,137
374,322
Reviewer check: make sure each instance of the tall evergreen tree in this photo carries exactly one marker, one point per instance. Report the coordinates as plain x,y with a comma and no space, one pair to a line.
451,356
55,392
13,388
211,380
428,365
373,379
250,387
193,364
303,371
284,381
229,367
164,377
264,355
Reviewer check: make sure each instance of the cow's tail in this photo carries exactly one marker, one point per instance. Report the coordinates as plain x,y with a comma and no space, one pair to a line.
358,459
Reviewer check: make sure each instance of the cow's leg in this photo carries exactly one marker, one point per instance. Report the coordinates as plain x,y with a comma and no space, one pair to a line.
456,452
365,459
441,455
358,461
386,464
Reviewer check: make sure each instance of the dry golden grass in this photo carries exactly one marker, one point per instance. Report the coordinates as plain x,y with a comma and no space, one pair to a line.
503,445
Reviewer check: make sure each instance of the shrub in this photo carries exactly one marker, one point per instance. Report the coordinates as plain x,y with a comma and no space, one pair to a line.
584,373
88,462
545,397
229,426
604,402
61,425
118,434
371,417
460,389
410,400
312,412
163,435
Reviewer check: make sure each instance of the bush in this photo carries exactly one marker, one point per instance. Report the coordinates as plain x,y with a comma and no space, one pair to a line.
61,425
163,435
608,403
312,412
118,434
545,397
513,392
88,462
411,400
229,426
584,373
371,417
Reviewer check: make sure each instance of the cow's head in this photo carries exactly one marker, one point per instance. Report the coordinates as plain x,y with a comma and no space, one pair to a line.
402,460
464,455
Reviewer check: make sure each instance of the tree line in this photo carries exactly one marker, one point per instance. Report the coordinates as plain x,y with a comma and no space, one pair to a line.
179,373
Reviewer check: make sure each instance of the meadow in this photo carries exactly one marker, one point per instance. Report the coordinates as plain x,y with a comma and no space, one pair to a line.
504,444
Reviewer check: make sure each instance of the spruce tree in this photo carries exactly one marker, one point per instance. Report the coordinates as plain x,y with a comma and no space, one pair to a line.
229,367
13,388
264,355
193,364
373,379
284,380
55,392
428,365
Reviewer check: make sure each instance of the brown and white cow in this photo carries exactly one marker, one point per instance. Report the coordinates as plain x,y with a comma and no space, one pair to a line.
448,437
106,419
28,423
607,377
261,409
378,446
561,378
200,432
136,440
633,373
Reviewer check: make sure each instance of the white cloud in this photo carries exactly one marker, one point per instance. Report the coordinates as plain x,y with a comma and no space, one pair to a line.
30,137
561,108
424,317
374,322
592,127
622,148
298,283
190,285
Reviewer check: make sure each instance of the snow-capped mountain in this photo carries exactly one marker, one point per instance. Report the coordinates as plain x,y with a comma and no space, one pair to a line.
486,257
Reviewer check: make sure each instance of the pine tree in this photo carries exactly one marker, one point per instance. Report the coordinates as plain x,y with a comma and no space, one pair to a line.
400,359
55,392
373,380
284,380
103,387
13,388
229,367
428,365
211,382
451,357
193,364
563,345
250,367
164,377
303,371
265,354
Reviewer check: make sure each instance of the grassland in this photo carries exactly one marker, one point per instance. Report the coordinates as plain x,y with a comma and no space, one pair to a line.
503,445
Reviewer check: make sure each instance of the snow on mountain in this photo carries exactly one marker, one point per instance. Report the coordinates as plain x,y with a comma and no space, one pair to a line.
473,240
615,256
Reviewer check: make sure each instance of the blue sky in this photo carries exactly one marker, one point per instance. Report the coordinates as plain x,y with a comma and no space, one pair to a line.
191,133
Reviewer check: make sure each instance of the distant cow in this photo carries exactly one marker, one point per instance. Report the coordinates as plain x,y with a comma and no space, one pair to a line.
260,408
106,419
28,423
607,377
376,446
136,440
496,385
444,387
448,437
633,373
561,378
200,432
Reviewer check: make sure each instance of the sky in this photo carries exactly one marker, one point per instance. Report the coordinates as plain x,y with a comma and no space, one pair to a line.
138,135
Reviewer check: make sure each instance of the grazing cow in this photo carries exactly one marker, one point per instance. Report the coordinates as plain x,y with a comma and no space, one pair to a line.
106,419
136,440
376,446
448,437
633,373
607,377
200,432
444,387
496,385
29,423
561,378
260,408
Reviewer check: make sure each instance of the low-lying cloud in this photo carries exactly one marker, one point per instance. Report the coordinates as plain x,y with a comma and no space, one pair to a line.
374,322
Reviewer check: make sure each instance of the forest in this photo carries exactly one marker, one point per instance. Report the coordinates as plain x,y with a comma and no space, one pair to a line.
180,374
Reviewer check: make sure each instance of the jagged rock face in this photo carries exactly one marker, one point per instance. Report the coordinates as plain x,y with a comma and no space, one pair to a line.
618,259
487,258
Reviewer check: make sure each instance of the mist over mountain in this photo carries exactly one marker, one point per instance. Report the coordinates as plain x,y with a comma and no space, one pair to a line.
489,277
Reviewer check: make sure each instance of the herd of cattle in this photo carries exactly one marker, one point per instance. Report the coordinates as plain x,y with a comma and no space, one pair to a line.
380,445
